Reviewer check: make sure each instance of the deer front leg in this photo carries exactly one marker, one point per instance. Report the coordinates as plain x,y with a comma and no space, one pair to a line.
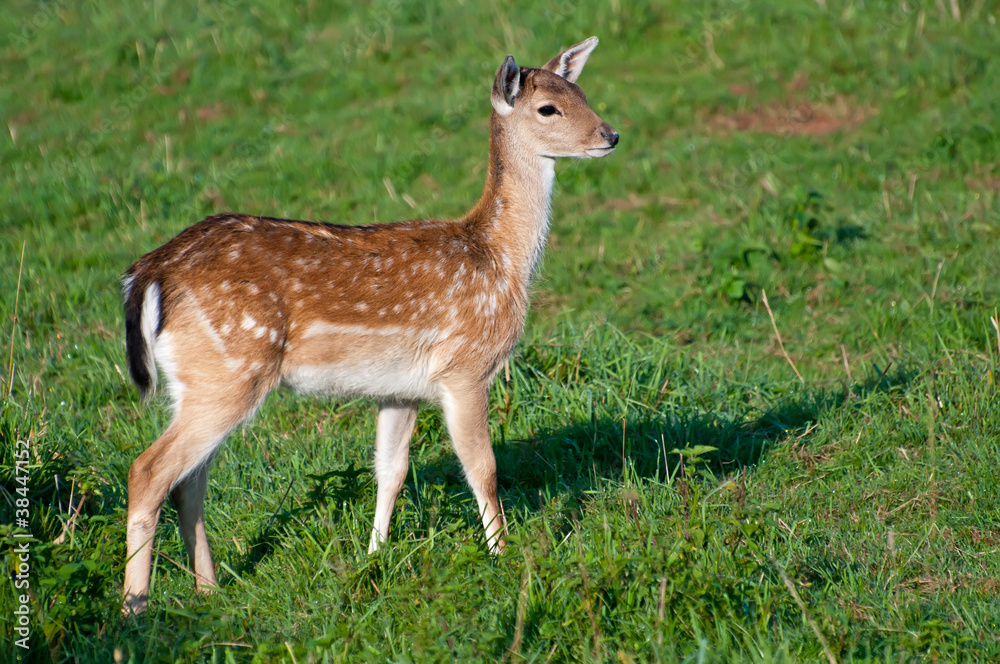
392,455
466,412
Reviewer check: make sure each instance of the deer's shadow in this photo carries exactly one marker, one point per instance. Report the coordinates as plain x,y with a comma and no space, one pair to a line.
570,461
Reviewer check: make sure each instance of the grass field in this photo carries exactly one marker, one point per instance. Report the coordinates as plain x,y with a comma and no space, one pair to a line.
682,485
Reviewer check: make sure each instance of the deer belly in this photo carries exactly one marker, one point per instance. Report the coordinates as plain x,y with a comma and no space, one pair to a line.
358,362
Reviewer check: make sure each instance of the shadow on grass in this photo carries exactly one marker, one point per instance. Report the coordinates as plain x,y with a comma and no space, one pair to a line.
575,459
336,485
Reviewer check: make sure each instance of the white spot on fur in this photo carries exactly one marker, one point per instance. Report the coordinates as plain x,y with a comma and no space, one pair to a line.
248,321
320,328
213,335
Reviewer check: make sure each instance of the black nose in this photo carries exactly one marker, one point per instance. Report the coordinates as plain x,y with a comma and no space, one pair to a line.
611,137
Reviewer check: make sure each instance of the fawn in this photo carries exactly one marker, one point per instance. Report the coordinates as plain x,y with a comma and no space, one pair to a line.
400,312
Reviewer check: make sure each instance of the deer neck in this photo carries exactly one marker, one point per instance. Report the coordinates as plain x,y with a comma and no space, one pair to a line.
513,211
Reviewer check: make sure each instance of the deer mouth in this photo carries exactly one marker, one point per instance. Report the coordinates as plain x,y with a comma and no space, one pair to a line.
600,152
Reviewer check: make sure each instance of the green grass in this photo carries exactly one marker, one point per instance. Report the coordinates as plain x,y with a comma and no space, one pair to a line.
666,475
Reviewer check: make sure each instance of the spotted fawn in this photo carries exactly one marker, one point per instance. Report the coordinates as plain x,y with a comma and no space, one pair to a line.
400,312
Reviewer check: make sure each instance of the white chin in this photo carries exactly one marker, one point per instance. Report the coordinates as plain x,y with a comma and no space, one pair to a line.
599,152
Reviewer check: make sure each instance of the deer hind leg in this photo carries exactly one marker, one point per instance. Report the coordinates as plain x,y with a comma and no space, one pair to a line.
392,454
176,458
466,413
209,402
189,498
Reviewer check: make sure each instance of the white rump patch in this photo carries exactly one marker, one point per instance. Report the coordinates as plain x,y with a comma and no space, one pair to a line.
164,352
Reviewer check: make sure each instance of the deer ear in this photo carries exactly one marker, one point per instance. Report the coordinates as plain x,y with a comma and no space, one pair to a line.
506,86
569,63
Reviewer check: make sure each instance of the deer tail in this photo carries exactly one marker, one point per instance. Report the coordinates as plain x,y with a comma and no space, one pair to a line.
142,325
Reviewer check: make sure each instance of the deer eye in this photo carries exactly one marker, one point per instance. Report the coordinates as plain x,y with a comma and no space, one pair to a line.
548,110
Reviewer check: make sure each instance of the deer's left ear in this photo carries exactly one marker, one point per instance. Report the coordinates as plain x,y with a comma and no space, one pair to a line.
506,85
570,62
